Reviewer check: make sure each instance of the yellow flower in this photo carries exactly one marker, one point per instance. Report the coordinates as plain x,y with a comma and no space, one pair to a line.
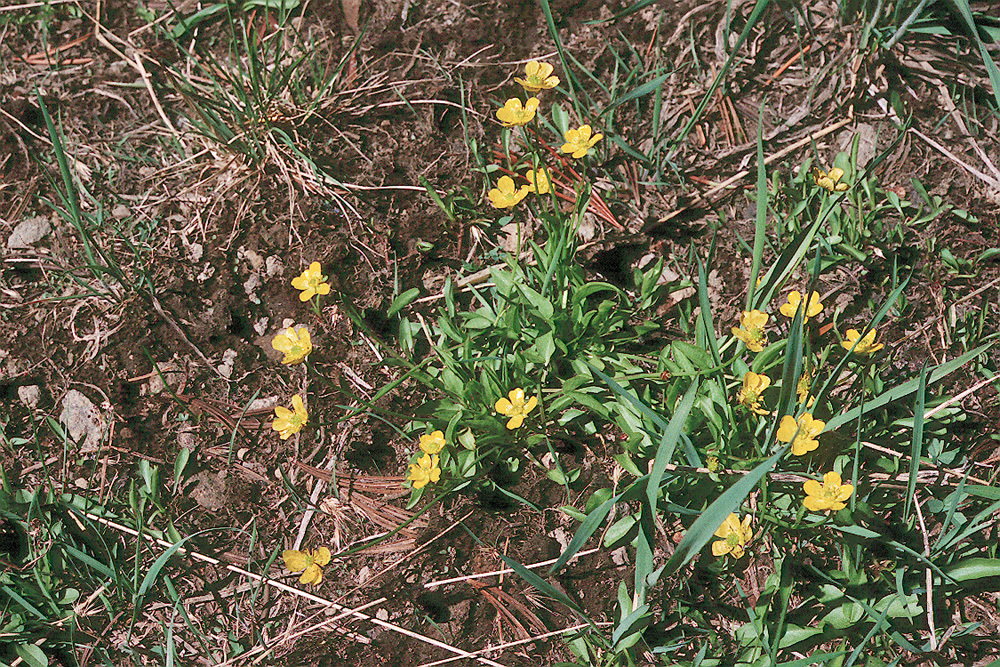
752,330
749,395
538,77
830,181
505,196
513,113
802,433
538,180
424,470
865,346
803,387
794,299
735,537
311,282
288,422
295,344
309,561
433,443
516,408
578,142
830,496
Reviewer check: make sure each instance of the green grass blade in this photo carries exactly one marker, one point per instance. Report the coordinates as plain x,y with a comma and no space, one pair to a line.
747,29
991,67
705,525
907,388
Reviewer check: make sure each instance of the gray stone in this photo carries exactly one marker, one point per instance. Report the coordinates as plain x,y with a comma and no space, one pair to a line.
29,232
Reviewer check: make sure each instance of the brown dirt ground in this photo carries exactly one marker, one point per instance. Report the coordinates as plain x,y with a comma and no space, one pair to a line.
221,240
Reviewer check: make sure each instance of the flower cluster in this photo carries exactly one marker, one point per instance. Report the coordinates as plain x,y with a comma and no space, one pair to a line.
515,113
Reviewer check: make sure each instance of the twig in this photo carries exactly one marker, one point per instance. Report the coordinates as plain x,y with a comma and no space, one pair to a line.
992,182
442,582
928,578
499,647
274,583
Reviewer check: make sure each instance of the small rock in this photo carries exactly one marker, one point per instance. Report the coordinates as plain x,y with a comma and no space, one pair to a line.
274,267
209,490
82,419
29,395
29,232
226,368
195,252
121,212
364,574
382,615
169,372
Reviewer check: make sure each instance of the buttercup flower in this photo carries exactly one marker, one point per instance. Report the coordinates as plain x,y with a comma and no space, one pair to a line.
865,345
424,470
516,408
749,395
538,77
803,387
830,181
830,496
311,282
308,562
433,443
538,180
735,537
802,433
288,423
751,330
505,196
578,142
513,113
794,299
294,343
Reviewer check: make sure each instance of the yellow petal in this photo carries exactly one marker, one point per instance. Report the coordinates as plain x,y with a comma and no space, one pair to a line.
312,575
812,488
503,406
294,560
831,479
322,556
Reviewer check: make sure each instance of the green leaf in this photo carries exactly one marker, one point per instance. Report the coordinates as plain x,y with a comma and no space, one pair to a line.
402,301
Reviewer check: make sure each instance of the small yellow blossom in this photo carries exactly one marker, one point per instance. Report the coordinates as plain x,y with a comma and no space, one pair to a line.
514,113
802,433
578,142
830,181
505,196
294,343
803,387
308,562
735,537
749,395
538,180
425,470
794,299
288,422
311,282
830,496
538,77
432,443
865,345
751,330
517,408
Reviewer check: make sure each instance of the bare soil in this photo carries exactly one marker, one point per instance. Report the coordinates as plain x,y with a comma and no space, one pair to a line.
220,238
